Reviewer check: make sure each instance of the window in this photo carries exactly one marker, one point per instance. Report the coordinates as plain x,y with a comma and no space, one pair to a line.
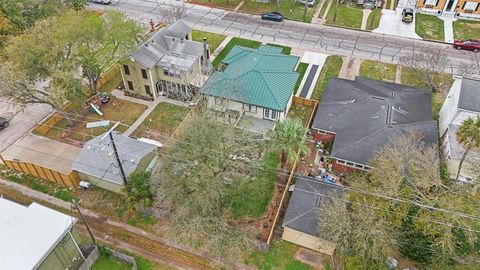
147,90
470,6
171,72
339,161
431,2
321,132
144,74
250,108
130,85
270,114
126,69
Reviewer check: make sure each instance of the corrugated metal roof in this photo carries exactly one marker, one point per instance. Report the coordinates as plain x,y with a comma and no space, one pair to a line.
254,76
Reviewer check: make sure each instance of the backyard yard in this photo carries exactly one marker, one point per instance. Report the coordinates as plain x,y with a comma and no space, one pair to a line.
429,27
290,9
330,69
348,15
125,112
107,262
464,29
378,71
161,122
301,112
234,41
213,39
281,255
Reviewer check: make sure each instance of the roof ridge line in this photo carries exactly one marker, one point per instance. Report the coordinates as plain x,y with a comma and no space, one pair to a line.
414,123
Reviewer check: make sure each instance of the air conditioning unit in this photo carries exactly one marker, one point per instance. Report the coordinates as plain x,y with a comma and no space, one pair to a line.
84,185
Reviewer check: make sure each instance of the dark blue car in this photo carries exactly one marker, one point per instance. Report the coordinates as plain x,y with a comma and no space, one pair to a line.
272,16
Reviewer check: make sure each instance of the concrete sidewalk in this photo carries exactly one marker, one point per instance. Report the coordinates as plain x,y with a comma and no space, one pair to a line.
448,20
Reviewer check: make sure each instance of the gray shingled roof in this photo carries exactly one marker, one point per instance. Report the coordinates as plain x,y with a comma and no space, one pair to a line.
308,195
97,158
168,42
364,114
469,95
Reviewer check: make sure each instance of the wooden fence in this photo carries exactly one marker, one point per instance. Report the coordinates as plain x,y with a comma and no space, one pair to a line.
90,259
299,101
69,180
304,101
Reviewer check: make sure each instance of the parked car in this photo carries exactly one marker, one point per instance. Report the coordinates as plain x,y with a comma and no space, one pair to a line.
3,123
407,15
309,2
469,44
272,16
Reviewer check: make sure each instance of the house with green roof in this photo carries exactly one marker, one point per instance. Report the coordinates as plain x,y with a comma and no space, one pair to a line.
256,83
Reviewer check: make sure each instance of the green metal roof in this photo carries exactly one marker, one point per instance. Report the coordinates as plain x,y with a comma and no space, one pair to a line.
263,77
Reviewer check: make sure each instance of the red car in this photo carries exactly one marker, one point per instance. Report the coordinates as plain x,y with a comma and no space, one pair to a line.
469,44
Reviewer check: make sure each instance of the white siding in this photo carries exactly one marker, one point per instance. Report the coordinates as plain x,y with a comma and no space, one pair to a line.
449,107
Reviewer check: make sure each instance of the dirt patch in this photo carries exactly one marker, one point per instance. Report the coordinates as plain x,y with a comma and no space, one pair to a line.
310,257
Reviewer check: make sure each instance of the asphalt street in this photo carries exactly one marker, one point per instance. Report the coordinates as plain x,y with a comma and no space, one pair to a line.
304,36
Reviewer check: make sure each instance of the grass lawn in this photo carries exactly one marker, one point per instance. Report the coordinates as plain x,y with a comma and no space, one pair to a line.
301,68
108,262
234,41
285,50
41,185
378,71
301,112
330,69
409,78
280,256
213,39
113,83
285,6
252,197
229,4
374,19
463,29
429,27
116,110
348,16
164,119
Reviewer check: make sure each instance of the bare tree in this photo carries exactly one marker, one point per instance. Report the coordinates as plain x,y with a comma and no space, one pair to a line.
428,65
172,13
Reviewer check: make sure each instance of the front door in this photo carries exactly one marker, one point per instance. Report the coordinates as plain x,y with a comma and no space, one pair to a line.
270,114
450,5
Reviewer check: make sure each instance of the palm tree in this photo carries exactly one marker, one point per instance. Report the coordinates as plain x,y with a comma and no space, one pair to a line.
289,137
468,134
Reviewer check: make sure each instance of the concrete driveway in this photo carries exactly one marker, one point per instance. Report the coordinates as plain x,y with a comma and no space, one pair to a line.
22,120
391,24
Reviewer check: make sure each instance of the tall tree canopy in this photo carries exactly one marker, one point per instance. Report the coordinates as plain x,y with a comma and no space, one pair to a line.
468,135
289,137
398,196
49,62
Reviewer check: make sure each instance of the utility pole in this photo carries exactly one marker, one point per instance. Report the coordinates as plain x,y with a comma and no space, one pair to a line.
117,157
84,221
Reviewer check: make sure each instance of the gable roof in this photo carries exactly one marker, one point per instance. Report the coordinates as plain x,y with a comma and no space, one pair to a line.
469,95
28,233
169,47
263,77
97,157
309,193
364,114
